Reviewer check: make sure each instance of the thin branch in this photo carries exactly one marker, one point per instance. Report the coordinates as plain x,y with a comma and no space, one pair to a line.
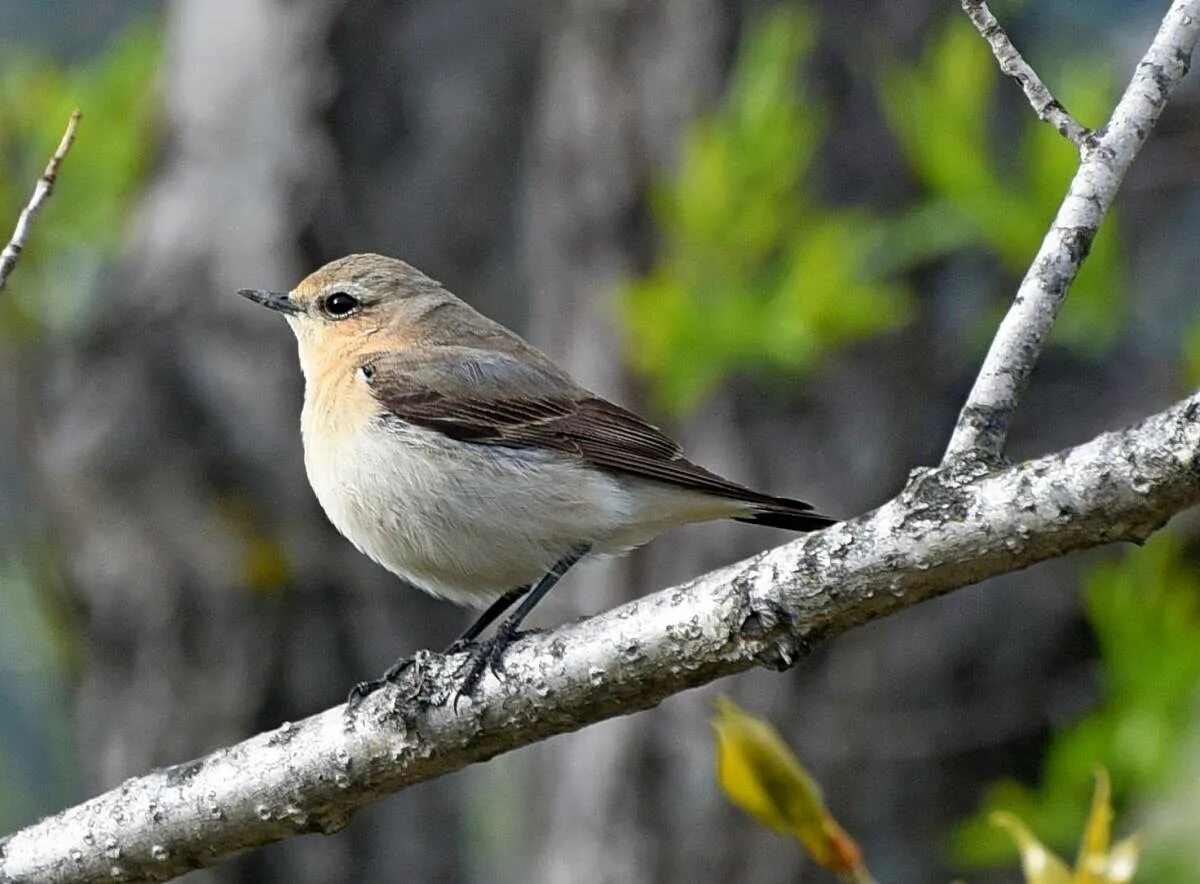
950,527
1048,108
985,418
41,193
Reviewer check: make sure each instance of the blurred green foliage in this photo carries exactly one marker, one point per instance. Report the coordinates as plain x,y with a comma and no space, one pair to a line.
79,229
1145,611
755,273
82,224
984,190
992,190
262,566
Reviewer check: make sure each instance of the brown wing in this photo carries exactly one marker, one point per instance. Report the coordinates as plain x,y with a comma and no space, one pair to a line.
488,398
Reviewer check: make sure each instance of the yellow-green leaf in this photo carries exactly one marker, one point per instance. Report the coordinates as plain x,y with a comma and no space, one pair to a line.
760,774
1093,849
1038,863
1122,860
1097,864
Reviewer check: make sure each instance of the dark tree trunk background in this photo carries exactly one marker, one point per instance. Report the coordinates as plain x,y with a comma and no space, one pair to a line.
505,148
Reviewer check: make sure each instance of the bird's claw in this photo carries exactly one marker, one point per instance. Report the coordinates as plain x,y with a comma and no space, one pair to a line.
364,689
484,655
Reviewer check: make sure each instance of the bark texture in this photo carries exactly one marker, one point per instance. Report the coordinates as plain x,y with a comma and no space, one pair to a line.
948,528
215,599
988,412
507,153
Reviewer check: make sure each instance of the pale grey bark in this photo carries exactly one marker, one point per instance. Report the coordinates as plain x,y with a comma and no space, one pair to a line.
168,449
948,528
1048,108
984,421
618,80
41,193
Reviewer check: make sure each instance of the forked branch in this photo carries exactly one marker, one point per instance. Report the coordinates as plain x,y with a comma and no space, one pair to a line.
983,424
950,527
1048,108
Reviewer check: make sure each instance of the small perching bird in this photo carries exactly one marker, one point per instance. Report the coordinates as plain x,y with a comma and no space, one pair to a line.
462,459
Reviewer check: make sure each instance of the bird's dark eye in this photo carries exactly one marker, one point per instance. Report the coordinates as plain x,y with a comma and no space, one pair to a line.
340,304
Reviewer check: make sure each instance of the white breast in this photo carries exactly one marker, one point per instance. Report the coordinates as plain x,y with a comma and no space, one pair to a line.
468,522
465,522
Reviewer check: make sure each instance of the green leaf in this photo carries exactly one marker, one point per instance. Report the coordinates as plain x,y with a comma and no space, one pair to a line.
1144,608
754,274
1000,191
759,773
83,224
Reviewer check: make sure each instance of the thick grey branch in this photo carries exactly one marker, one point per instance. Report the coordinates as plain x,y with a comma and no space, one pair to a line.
1048,108
983,424
41,193
950,527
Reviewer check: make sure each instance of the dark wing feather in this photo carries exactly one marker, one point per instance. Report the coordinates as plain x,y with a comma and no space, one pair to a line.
487,398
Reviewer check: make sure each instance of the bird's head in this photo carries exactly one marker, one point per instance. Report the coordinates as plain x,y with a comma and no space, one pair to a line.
362,303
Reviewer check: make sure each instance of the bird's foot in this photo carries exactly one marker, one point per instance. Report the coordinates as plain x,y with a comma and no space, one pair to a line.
364,689
483,655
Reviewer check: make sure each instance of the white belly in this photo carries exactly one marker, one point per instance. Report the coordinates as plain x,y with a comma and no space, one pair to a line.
465,522
468,522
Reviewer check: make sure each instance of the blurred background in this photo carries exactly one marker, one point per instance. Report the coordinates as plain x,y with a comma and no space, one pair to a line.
785,230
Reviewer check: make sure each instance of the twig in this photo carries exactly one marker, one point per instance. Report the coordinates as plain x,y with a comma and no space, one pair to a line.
1048,108
41,193
950,527
985,418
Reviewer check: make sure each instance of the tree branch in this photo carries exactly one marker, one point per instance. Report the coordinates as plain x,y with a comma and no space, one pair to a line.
41,193
950,527
985,418
1048,108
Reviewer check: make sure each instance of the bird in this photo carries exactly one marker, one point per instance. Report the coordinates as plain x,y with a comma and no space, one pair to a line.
463,460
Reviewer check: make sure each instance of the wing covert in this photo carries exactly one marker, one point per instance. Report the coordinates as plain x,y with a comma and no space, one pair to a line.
488,398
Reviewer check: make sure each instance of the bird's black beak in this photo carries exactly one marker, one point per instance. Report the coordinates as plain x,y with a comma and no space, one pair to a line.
275,300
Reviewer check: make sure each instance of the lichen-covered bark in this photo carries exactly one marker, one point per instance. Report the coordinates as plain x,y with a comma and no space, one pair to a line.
618,83
949,527
1106,157
1048,108
168,448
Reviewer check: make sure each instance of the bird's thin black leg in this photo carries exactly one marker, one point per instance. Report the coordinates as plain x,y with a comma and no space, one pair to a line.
490,652
498,607
485,619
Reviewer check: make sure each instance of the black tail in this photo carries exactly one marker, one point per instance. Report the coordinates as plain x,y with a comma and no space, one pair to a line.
792,515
